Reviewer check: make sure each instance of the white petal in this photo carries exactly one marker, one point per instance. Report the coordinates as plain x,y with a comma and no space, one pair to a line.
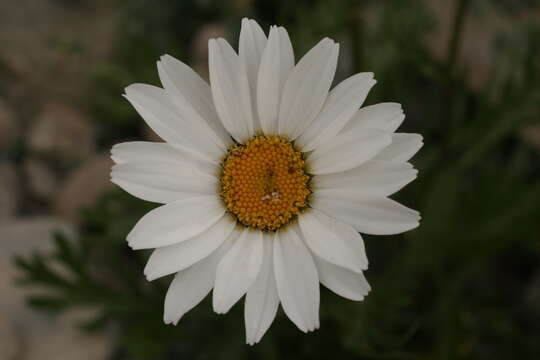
383,116
347,150
175,222
174,161
276,64
192,285
333,241
296,279
378,216
402,148
341,104
250,49
173,258
346,283
306,88
192,96
262,299
142,151
237,270
230,90
373,179
150,193
152,178
154,105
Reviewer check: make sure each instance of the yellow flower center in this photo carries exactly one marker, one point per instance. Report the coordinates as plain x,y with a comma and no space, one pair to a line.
264,182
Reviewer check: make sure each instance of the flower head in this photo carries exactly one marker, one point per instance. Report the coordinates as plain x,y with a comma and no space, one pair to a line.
267,178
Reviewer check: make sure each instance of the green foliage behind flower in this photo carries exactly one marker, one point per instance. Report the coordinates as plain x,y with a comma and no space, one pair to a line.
455,288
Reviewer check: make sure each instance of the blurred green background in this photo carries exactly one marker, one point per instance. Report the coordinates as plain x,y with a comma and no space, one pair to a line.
464,285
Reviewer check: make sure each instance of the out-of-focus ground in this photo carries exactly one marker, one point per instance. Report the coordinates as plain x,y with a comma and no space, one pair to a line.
50,163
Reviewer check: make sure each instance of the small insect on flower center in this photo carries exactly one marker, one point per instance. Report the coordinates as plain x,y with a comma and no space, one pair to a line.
264,182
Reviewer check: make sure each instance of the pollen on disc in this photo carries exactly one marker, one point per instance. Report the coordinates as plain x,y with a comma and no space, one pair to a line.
264,182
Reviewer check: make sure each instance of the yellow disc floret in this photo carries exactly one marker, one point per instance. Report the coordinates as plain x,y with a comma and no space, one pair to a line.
264,182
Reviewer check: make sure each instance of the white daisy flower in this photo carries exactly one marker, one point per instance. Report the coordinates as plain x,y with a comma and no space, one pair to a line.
267,178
